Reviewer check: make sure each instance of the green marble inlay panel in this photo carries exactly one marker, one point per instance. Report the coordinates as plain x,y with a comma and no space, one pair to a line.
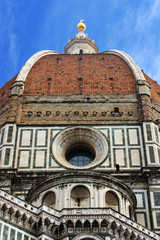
2,136
118,137
107,163
0,155
156,133
19,236
24,158
10,133
41,135
0,228
51,161
12,235
26,137
40,158
156,198
135,157
140,200
158,219
120,157
133,136
7,156
151,154
5,233
138,215
149,134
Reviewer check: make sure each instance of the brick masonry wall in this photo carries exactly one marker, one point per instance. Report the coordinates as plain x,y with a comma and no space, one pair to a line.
80,74
76,75
80,110
155,88
5,91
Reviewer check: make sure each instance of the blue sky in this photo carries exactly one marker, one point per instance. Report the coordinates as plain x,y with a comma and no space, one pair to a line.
28,26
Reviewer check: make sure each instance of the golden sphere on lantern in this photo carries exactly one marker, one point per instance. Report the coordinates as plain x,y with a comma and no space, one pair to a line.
81,26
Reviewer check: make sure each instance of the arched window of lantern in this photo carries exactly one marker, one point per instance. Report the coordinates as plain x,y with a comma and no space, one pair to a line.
111,200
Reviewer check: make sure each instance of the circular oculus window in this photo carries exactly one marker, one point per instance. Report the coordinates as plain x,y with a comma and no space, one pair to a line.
80,148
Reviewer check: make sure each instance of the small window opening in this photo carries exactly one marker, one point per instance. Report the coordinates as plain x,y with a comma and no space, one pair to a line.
111,78
80,79
80,51
117,167
80,155
49,79
116,109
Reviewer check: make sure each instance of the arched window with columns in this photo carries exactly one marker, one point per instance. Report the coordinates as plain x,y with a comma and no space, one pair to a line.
111,200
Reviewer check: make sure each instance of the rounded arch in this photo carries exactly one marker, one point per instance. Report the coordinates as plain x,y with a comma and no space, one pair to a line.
80,196
78,178
112,200
49,199
131,63
87,236
31,61
142,85
83,137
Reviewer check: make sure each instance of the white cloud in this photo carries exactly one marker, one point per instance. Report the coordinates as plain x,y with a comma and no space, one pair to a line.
13,47
146,14
126,25
9,47
156,74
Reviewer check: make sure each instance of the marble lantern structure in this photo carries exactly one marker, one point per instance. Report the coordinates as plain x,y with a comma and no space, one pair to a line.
79,147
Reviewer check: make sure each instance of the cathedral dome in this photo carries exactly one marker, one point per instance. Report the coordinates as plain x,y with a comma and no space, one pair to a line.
79,147
75,74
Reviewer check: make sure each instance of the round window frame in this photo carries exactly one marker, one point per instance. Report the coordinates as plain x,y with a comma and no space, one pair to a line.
77,148
80,136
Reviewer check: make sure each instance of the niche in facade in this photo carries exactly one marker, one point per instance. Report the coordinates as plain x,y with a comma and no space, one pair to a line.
111,201
80,197
50,199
